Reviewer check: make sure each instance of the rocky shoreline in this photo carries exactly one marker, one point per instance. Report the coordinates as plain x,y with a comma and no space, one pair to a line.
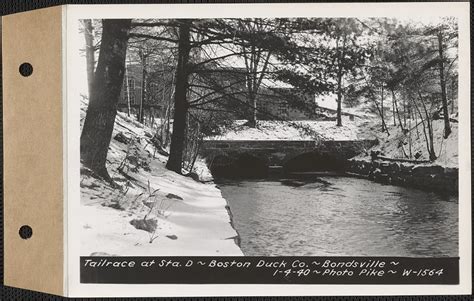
422,176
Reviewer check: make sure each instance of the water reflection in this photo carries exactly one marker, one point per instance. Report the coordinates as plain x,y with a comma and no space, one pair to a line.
340,216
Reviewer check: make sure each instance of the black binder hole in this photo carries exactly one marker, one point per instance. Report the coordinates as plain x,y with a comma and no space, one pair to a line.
26,69
25,232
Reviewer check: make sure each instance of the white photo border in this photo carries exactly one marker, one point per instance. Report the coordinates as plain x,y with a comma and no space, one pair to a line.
73,13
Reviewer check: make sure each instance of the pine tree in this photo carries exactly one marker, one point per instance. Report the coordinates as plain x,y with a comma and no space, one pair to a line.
102,108
180,101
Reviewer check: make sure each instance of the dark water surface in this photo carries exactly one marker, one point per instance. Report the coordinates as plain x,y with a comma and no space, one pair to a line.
336,216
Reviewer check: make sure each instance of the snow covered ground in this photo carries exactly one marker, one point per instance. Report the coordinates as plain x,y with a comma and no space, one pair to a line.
158,212
330,102
397,144
394,146
155,212
296,130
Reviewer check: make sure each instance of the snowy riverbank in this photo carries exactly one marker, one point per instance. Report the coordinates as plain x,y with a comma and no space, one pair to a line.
155,212
416,171
297,130
399,145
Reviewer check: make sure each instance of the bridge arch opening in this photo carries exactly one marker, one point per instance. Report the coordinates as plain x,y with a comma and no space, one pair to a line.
238,166
220,165
314,161
248,165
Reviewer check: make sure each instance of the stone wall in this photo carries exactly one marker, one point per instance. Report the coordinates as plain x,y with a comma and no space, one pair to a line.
422,176
278,152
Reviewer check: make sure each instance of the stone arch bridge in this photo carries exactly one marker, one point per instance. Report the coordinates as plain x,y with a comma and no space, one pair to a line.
272,153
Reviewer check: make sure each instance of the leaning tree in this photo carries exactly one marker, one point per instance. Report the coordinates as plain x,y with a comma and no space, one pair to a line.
105,92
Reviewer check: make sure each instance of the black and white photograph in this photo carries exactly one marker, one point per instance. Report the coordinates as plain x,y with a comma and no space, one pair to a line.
238,149
268,147
270,137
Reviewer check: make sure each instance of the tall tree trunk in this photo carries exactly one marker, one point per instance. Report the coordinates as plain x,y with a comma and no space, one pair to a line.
397,111
393,111
127,91
339,99
180,102
253,58
253,117
144,92
409,136
340,71
429,138
416,125
90,52
384,126
447,126
404,112
374,99
168,110
424,127
108,79
381,111
452,95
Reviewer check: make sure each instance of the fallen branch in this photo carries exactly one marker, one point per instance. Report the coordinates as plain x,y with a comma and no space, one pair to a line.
402,160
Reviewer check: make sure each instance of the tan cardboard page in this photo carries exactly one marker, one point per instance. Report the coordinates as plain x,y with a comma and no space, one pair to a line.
33,150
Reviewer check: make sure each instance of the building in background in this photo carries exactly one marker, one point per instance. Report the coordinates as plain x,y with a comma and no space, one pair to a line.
151,95
275,101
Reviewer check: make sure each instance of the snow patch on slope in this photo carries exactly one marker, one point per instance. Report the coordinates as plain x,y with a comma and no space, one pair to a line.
296,130
398,144
190,217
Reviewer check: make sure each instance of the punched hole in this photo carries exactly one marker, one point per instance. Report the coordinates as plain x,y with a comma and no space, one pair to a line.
26,69
25,232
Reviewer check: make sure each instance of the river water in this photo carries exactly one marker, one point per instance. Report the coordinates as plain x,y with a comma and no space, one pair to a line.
340,216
